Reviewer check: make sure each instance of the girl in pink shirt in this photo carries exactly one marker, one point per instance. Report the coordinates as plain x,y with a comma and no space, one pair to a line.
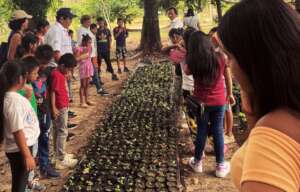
86,70
208,70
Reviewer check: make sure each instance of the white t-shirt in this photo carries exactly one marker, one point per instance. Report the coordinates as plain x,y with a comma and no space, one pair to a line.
176,23
19,115
191,22
58,38
83,31
187,80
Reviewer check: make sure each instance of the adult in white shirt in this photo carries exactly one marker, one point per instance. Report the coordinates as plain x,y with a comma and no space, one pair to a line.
191,20
175,22
57,36
85,30
19,125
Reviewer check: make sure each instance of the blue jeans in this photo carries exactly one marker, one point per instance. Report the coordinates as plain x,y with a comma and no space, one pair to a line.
96,79
214,115
45,123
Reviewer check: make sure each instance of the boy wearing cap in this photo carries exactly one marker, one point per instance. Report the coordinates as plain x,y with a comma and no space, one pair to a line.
60,41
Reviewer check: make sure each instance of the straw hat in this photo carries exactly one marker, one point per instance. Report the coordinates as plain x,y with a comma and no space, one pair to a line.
20,14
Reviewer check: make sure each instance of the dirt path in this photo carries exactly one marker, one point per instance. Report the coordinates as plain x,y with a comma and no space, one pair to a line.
206,181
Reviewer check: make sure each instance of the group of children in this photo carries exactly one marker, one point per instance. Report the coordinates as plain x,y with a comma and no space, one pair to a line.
207,91
34,96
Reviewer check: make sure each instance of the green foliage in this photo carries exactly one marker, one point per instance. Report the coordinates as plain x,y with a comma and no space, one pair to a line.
5,12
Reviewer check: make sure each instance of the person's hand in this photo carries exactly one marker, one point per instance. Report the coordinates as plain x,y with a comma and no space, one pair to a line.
55,113
231,100
29,163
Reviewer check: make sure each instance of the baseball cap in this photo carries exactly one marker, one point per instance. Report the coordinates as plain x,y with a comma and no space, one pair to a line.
65,12
20,14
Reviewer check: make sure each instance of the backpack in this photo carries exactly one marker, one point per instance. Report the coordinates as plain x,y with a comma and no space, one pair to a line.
3,53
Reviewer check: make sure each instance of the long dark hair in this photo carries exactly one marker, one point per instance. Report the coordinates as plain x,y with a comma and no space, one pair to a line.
16,25
27,40
85,39
187,35
190,12
264,38
202,59
10,74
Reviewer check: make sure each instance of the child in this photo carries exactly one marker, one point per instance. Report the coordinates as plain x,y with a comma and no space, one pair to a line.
28,46
209,91
120,34
228,119
44,54
31,67
42,28
59,108
86,70
74,43
103,47
18,124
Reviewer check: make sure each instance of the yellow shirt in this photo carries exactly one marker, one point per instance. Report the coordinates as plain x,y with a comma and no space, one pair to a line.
269,156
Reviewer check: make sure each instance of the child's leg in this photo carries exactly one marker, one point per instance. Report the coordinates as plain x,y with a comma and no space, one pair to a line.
18,171
86,86
202,126
99,58
62,133
43,151
118,55
228,121
81,91
217,119
34,154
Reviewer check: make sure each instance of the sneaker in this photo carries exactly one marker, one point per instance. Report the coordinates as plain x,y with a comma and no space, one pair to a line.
114,77
70,155
66,163
126,70
72,126
228,139
36,186
196,166
119,71
72,115
49,172
222,169
70,136
102,92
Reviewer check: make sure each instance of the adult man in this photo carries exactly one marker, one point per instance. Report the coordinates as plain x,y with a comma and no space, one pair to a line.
58,38
85,30
175,22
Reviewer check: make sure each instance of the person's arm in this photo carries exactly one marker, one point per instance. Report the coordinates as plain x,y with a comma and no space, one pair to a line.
21,142
228,81
167,48
13,45
251,186
117,33
54,110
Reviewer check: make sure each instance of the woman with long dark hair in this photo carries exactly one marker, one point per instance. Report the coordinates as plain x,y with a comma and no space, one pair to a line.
209,70
28,46
262,40
191,20
18,24
18,124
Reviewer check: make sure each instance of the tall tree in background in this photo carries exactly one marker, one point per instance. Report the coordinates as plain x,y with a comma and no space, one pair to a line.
219,9
38,9
150,41
298,5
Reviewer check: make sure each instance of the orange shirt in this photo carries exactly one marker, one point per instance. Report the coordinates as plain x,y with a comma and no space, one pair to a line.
269,156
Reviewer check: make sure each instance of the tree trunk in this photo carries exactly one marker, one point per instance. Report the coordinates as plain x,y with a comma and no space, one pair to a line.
219,9
297,5
150,40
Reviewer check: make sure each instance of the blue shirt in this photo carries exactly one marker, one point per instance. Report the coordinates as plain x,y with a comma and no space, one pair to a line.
121,39
103,37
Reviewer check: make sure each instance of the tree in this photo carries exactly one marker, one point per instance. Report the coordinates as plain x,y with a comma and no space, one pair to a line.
37,9
219,9
297,5
150,41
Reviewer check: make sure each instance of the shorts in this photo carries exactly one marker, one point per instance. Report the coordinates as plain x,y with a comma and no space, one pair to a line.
121,52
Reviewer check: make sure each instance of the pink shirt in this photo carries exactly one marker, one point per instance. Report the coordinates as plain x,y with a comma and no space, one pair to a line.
214,95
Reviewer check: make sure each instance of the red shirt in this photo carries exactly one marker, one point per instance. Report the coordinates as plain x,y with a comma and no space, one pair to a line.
214,95
59,86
